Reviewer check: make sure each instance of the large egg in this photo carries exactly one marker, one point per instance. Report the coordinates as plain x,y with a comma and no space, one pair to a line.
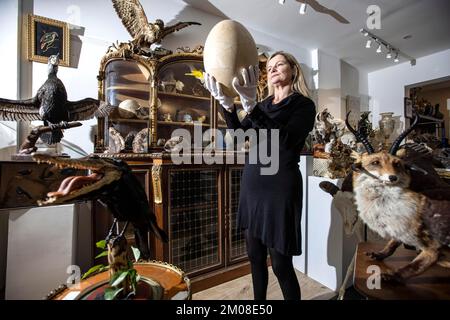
229,47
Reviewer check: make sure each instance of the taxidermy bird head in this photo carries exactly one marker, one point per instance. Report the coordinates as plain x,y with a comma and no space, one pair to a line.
53,63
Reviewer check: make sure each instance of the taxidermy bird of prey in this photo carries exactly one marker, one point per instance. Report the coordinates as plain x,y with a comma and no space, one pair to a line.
321,9
135,21
50,105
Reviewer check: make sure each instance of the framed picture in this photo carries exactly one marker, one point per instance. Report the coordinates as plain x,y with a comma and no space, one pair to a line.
48,37
408,108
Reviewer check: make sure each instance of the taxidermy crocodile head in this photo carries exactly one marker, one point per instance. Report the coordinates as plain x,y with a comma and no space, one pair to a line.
113,183
105,173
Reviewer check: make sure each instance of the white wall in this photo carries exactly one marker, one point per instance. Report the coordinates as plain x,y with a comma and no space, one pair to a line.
387,86
38,256
337,79
9,64
329,93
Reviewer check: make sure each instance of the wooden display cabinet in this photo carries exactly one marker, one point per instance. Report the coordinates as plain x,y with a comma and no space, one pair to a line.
164,87
197,206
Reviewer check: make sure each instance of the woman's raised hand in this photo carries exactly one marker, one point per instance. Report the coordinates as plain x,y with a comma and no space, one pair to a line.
247,91
215,89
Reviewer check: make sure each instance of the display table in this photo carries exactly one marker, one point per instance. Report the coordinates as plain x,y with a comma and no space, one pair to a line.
433,284
167,282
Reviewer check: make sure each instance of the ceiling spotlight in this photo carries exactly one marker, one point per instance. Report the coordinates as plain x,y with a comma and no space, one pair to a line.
302,8
379,48
281,1
389,54
396,57
383,47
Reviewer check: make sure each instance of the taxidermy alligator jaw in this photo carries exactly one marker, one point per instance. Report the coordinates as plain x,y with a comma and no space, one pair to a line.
102,174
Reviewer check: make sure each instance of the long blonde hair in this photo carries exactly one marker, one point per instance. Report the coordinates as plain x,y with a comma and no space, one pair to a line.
298,83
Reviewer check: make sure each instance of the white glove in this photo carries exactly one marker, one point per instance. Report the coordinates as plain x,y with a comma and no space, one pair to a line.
247,91
215,89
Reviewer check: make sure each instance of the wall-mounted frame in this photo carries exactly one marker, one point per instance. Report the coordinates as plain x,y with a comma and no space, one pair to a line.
48,37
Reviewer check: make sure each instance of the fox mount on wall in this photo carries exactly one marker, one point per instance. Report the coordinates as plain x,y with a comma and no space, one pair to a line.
146,36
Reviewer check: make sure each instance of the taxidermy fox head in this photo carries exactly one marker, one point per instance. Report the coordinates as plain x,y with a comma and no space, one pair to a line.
384,167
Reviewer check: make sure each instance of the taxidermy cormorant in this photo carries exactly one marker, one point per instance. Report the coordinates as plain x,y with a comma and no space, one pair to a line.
50,105
135,21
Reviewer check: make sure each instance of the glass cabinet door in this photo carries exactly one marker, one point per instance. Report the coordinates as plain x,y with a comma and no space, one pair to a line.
127,86
185,103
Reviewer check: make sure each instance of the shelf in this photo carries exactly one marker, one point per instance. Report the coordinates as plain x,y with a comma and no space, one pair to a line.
181,95
430,118
123,120
180,123
421,116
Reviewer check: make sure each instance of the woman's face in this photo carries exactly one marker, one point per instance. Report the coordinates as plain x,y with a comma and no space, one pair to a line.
279,72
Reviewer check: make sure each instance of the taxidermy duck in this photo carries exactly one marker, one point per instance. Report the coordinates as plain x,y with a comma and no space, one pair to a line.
50,105
135,21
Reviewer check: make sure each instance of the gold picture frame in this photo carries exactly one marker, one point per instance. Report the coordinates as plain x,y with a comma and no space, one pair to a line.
48,37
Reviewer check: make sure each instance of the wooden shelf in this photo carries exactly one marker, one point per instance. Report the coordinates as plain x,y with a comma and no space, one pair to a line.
181,95
180,123
128,120
431,118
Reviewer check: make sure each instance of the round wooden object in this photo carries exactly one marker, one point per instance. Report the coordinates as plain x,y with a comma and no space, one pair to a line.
159,281
229,47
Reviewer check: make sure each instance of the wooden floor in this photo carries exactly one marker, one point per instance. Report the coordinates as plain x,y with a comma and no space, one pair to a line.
241,289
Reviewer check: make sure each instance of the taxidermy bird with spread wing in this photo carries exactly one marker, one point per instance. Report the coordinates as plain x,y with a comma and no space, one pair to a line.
135,21
321,9
50,105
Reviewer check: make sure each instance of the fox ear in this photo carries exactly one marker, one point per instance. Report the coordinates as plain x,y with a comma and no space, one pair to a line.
357,166
413,167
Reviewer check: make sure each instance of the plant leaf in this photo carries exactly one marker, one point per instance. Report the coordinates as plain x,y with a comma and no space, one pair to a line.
136,253
102,254
120,278
111,293
101,244
92,270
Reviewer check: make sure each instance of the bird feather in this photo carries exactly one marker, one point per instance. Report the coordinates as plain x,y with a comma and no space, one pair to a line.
132,15
15,110
176,27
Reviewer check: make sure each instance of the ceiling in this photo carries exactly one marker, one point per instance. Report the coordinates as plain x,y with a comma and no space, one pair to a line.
427,21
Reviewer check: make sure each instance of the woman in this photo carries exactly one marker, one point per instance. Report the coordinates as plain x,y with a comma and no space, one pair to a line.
270,205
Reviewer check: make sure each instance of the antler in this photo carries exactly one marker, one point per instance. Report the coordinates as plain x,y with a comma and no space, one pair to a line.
396,143
359,136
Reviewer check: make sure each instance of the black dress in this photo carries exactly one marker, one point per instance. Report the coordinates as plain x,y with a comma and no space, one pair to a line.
270,206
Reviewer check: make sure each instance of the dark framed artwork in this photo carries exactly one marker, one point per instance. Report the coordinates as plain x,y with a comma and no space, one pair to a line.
48,37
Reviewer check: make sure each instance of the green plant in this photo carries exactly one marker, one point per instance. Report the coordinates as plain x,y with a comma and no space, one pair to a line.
119,280
121,277
99,267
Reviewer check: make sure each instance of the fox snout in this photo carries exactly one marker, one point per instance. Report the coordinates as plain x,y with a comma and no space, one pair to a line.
389,178
385,167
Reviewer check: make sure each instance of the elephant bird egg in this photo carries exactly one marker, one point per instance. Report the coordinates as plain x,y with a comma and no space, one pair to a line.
229,47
